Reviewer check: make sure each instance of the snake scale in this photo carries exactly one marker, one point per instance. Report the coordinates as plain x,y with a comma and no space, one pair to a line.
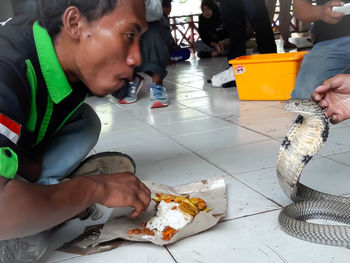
304,139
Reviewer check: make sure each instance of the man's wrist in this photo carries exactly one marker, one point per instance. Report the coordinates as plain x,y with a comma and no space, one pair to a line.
95,189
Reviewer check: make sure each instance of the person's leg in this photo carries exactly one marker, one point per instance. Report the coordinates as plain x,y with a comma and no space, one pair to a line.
325,60
159,96
259,19
234,18
271,7
154,50
132,89
203,50
284,24
65,152
155,58
70,145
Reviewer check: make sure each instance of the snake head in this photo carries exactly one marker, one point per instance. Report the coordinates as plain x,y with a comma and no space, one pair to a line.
305,107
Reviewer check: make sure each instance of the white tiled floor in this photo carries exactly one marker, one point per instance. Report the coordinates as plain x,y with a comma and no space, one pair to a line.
207,132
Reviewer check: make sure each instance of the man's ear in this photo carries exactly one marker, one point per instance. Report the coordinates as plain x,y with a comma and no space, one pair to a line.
72,21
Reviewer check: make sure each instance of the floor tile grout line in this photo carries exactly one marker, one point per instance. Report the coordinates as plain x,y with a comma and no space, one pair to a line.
203,158
209,162
255,190
336,161
171,254
242,126
251,215
213,116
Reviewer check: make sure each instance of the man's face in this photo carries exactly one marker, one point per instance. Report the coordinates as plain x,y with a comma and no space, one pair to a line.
108,48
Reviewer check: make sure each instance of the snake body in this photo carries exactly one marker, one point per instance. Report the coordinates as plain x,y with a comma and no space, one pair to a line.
304,139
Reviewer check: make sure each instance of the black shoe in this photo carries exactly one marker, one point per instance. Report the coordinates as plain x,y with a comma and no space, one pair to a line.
230,84
203,54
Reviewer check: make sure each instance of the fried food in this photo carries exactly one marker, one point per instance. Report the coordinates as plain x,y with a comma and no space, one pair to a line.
173,213
190,206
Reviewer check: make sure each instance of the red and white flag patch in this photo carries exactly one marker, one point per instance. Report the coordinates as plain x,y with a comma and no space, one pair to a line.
9,128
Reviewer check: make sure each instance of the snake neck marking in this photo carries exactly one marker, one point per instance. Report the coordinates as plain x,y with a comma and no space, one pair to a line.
304,139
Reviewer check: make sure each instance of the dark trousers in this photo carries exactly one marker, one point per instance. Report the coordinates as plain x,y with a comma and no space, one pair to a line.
234,14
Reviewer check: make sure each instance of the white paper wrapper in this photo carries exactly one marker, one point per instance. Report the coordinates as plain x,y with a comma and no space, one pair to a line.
212,191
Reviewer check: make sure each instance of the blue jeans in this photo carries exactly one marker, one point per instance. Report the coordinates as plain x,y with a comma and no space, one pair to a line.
325,60
70,145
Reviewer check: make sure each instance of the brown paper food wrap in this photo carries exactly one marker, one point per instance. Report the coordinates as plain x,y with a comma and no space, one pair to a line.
212,191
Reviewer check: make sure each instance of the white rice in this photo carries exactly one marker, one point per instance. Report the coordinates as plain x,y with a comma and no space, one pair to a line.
167,216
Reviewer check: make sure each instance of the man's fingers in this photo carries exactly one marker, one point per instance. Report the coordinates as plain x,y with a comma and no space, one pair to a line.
145,188
323,104
334,119
316,96
323,88
139,208
335,3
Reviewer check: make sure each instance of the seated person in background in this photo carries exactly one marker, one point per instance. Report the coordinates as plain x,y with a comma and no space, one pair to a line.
330,54
334,96
155,58
215,39
176,53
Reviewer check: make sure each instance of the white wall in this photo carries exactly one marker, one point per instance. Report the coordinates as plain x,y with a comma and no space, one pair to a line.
5,10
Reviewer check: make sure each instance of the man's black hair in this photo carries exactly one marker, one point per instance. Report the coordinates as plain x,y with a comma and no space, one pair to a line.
50,12
166,3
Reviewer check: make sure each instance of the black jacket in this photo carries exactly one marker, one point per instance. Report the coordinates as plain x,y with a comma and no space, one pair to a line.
212,29
36,98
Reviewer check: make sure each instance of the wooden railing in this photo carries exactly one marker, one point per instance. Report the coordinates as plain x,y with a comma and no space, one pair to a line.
185,28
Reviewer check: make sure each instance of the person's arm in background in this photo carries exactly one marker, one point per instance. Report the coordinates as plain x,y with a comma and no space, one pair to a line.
305,11
334,97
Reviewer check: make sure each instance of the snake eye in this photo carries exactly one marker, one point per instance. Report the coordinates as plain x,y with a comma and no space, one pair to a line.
297,103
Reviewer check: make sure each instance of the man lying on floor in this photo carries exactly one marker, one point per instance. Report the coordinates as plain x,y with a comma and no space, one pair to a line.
47,69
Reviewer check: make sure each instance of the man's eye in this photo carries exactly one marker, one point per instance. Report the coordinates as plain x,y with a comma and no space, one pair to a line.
130,36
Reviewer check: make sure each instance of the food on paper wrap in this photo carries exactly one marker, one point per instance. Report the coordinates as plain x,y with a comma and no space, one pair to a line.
173,213
205,193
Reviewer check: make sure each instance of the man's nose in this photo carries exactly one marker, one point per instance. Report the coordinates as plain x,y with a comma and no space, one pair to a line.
134,58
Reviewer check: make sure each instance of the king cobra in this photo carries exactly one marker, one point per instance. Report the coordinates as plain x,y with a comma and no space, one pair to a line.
304,139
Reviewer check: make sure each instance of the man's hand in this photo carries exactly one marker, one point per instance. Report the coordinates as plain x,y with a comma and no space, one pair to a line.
327,15
124,189
305,11
334,96
216,46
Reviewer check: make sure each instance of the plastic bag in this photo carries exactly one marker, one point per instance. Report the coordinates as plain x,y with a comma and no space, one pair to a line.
222,78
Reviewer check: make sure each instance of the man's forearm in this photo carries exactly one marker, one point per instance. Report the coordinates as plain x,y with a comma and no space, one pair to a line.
27,208
305,11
